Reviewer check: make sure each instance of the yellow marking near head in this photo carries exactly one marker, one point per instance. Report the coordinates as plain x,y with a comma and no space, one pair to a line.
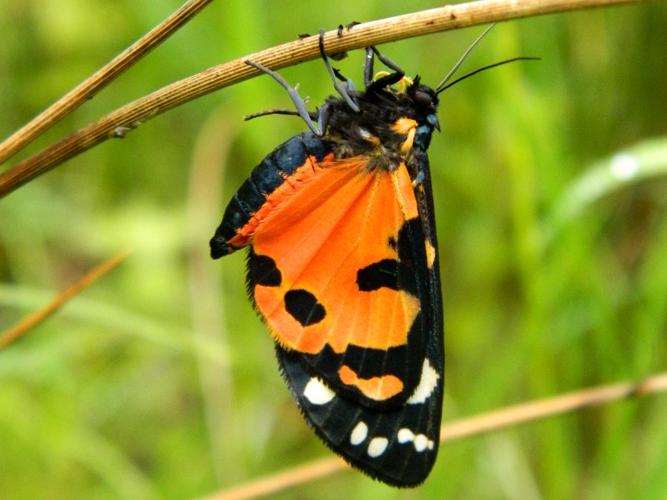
407,127
404,125
403,83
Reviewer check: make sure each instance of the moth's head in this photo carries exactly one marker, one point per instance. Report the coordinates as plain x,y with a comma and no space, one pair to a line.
423,97
425,102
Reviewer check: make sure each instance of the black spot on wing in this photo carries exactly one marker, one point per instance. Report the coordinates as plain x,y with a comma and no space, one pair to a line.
411,256
397,274
381,274
304,307
262,270
410,243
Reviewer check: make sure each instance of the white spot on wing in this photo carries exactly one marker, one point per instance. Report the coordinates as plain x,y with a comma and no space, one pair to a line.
427,384
359,433
377,446
405,435
317,393
421,442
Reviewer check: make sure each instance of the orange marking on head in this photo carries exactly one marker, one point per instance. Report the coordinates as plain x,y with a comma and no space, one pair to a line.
404,125
408,128
339,221
377,388
407,144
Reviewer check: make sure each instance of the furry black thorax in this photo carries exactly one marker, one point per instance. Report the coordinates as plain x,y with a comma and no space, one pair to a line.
369,131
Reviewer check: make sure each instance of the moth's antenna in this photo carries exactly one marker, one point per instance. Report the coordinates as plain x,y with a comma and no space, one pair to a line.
484,68
267,112
465,55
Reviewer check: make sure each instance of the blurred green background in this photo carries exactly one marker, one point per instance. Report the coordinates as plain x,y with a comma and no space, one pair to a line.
550,181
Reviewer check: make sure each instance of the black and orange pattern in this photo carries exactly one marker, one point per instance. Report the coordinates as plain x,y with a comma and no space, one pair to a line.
343,268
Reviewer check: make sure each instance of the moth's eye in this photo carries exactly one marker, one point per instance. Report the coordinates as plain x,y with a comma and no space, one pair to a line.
422,98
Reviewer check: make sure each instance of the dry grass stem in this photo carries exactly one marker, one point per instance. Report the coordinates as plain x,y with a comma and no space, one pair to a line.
123,120
458,429
100,79
35,318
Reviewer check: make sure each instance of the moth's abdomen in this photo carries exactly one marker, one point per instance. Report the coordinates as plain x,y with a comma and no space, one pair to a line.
236,227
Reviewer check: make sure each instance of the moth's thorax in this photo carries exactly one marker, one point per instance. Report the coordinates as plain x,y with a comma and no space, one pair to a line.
384,129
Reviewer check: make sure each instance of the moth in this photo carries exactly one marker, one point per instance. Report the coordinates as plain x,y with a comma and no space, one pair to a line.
343,267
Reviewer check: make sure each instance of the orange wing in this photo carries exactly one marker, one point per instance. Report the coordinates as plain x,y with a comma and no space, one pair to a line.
331,221
320,228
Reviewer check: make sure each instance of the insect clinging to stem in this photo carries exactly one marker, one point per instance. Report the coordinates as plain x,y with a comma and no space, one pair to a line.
343,266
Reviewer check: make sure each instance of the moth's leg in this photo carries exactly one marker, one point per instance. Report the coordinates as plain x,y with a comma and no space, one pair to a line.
371,52
385,81
344,89
293,94
368,67
323,117
387,62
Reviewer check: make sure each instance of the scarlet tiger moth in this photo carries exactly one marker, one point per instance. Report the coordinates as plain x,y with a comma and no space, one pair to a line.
343,268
